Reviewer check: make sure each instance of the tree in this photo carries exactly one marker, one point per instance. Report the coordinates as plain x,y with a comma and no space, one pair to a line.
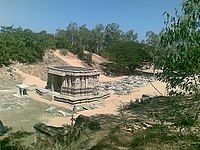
127,56
46,40
4,55
96,43
130,36
22,45
153,40
62,41
84,37
112,35
181,40
72,33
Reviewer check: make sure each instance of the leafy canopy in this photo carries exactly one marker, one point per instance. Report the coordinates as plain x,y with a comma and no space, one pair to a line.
127,56
181,40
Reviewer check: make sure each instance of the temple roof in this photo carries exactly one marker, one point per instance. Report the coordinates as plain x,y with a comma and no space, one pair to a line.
73,68
66,70
22,86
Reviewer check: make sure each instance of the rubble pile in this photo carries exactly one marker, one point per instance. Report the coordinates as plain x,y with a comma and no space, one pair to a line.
74,109
143,125
126,85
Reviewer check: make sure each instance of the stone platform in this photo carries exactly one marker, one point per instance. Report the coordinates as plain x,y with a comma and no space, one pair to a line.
80,99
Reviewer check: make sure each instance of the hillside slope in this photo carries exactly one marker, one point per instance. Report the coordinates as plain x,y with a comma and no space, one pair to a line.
54,58
40,69
72,60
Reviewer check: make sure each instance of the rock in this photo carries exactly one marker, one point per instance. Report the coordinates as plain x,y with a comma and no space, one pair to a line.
55,132
137,100
64,114
146,125
86,122
86,107
79,108
146,95
50,109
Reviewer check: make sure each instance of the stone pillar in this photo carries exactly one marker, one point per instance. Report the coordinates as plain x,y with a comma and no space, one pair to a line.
77,83
86,82
52,83
93,81
18,90
66,81
69,82
89,82
63,82
83,84
73,82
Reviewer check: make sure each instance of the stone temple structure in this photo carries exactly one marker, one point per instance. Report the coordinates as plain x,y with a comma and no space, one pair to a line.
72,80
75,84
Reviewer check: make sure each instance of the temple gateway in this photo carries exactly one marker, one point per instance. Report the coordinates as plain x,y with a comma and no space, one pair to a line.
73,81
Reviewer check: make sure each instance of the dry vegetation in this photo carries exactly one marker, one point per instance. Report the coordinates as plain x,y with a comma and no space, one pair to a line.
40,69
8,78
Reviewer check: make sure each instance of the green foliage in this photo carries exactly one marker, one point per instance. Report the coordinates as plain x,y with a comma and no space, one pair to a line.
97,39
46,40
4,54
127,56
112,34
152,39
23,45
130,36
88,58
13,141
181,40
159,135
64,52
62,43
181,59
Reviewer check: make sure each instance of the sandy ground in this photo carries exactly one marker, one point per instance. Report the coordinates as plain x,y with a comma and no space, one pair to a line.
150,70
70,59
30,79
34,95
103,78
111,104
114,101
97,59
